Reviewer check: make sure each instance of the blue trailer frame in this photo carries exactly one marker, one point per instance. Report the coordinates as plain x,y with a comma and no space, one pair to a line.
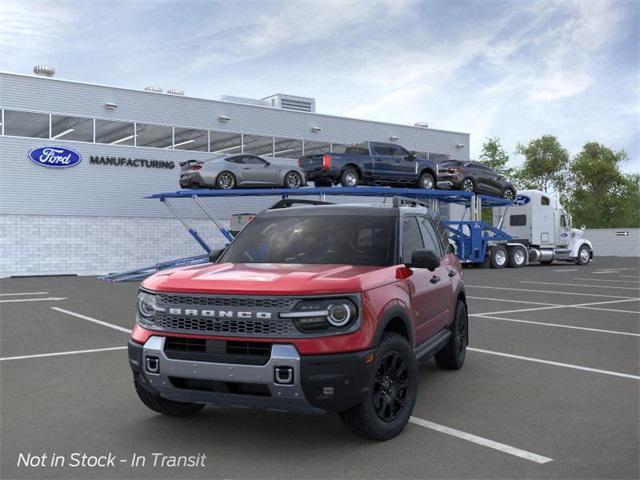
472,237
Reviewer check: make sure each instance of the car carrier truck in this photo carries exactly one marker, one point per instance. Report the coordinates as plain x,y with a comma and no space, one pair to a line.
540,231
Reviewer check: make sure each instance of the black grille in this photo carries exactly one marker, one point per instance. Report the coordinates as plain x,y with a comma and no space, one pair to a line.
255,349
257,328
185,344
275,302
218,386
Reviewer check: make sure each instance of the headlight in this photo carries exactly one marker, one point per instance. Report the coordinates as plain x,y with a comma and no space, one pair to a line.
147,307
318,315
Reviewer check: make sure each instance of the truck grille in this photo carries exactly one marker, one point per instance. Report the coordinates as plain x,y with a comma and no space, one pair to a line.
275,303
256,328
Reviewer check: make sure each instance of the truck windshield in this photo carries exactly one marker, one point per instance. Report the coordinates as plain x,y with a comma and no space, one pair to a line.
321,239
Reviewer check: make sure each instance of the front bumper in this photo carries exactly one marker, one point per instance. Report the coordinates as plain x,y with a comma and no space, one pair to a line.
318,383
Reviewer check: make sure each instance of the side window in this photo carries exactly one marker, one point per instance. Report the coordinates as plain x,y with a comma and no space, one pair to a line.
563,220
398,151
431,240
544,201
411,238
517,220
235,159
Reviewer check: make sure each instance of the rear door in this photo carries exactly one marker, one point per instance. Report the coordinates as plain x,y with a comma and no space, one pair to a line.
425,287
383,161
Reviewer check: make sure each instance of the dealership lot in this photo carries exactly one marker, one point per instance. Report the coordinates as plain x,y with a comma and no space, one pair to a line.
550,390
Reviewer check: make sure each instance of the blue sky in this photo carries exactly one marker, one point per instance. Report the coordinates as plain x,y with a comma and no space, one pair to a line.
514,70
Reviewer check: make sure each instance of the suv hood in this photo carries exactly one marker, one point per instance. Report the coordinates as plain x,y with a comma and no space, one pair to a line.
269,278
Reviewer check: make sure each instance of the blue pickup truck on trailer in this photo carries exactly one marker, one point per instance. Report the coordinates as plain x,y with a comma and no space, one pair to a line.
371,163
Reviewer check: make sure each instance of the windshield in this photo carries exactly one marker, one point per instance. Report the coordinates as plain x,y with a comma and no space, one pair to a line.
321,239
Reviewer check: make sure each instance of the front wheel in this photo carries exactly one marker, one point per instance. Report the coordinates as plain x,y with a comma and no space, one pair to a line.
226,180
293,179
584,255
392,392
468,185
452,356
427,181
509,194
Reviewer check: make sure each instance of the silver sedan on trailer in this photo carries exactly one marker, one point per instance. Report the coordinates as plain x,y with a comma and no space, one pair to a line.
241,170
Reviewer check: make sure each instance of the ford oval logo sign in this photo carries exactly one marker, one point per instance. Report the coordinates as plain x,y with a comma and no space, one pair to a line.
521,200
55,157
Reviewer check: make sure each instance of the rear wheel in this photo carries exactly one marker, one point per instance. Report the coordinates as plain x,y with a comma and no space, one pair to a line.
498,256
164,406
427,181
452,356
584,255
293,179
509,194
349,178
392,392
468,185
226,180
517,257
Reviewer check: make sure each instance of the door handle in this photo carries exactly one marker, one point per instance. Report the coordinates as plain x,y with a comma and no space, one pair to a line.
452,273
246,168
435,279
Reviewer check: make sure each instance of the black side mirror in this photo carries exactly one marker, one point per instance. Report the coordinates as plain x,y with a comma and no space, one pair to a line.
214,255
425,259
411,156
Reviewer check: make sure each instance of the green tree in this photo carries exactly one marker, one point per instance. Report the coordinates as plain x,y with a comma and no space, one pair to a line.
494,156
545,164
600,195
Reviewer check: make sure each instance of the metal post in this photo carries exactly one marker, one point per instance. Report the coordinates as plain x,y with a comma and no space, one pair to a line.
212,217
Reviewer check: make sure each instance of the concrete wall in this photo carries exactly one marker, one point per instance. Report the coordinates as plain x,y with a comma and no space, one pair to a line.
611,242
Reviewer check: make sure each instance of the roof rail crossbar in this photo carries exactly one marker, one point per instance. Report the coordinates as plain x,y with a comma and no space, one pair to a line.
410,202
290,202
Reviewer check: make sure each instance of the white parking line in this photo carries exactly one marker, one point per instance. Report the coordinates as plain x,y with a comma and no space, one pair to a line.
587,306
571,327
513,301
555,364
485,442
604,280
628,276
93,320
23,293
567,270
581,285
48,299
58,354
530,290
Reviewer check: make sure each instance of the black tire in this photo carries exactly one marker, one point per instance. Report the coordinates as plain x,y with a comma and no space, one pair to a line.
546,262
392,392
225,180
349,177
452,356
468,185
508,194
293,179
498,258
164,406
517,257
584,255
427,181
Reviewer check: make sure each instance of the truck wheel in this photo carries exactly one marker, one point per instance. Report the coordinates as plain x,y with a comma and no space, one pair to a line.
498,256
392,392
226,180
349,178
584,255
427,181
164,406
452,356
517,257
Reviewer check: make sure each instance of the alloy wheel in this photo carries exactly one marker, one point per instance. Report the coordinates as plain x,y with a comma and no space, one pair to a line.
293,180
467,185
427,182
508,194
390,387
226,181
351,179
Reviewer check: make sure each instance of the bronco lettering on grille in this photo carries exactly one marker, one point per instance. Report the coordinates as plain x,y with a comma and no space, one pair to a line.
195,312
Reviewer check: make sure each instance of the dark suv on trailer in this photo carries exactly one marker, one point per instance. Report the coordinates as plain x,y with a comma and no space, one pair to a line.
311,309
474,177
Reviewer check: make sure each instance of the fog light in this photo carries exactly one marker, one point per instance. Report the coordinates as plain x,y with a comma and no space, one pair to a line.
152,364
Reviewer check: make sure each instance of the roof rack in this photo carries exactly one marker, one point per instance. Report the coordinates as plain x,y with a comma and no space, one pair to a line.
290,202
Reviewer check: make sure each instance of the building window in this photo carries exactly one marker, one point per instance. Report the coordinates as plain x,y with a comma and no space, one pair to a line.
26,124
225,143
114,133
71,128
313,148
287,148
191,139
258,145
156,136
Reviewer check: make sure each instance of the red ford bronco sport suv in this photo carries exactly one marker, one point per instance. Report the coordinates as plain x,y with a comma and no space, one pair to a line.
311,309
